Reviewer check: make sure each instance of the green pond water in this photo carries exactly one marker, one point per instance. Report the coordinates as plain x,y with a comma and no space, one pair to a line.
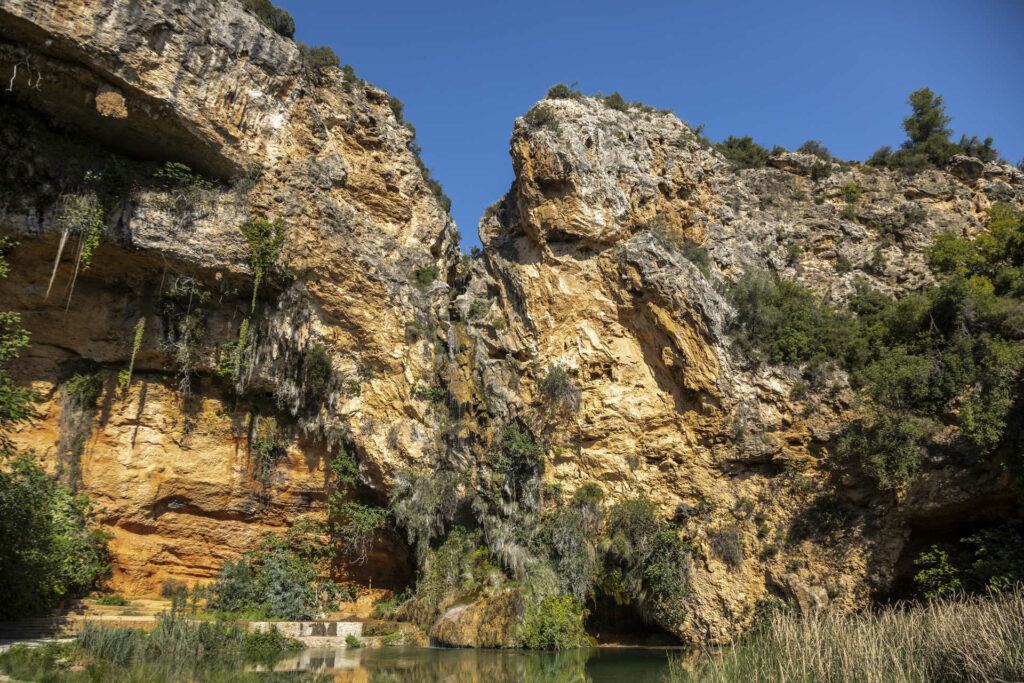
597,665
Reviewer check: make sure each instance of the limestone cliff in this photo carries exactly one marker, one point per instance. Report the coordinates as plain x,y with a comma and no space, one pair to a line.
117,89
669,406
578,271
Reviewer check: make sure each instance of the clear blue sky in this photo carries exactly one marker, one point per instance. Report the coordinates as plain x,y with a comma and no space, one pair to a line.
781,71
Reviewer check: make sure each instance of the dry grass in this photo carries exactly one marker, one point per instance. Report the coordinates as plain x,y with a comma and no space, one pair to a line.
962,639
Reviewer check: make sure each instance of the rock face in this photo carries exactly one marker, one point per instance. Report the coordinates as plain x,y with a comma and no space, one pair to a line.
669,408
577,271
174,473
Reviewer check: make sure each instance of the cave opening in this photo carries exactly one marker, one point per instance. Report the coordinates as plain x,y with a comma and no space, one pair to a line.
614,623
949,530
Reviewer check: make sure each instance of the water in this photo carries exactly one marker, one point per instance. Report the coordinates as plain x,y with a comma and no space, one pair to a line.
593,665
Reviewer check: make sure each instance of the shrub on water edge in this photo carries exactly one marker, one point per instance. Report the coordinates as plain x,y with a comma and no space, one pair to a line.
556,624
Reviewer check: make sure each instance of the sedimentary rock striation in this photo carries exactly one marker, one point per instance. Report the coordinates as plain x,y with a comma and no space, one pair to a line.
571,275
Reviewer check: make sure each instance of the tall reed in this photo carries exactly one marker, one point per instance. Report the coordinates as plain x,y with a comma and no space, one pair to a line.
956,639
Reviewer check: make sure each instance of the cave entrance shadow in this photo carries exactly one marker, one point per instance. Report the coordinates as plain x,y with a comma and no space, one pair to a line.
611,623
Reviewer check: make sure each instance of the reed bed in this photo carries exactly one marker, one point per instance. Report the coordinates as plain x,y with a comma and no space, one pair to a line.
970,639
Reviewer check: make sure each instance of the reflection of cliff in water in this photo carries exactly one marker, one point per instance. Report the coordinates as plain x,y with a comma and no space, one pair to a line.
472,666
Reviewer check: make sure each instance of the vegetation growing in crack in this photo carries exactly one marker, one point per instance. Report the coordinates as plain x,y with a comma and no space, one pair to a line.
268,443
263,240
354,525
560,389
673,239
186,193
184,325
78,398
82,216
124,377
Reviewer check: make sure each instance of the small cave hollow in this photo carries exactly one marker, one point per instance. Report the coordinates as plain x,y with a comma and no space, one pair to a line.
612,623
946,528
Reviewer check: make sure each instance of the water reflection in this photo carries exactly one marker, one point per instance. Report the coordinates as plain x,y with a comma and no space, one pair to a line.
595,665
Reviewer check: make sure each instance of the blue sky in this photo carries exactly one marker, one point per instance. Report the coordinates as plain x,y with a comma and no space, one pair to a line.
782,71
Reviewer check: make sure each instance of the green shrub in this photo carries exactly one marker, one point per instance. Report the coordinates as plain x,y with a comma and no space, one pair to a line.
743,152
561,91
848,212
541,117
988,561
356,528
264,241
234,588
84,390
518,457
319,57
726,544
851,192
112,601
268,442
560,388
891,447
615,101
973,147
352,643
274,17
880,157
477,308
460,568
49,548
434,394
556,624
816,148
316,371
282,584
84,216
349,78
588,493
653,561
425,275
783,319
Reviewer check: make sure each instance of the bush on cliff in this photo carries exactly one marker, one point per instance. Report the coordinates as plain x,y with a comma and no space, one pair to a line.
928,138
743,152
272,16
319,57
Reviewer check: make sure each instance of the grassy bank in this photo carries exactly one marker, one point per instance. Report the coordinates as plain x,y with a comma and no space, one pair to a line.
177,649
957,639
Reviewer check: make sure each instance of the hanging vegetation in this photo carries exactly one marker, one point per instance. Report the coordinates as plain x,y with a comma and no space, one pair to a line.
124,378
